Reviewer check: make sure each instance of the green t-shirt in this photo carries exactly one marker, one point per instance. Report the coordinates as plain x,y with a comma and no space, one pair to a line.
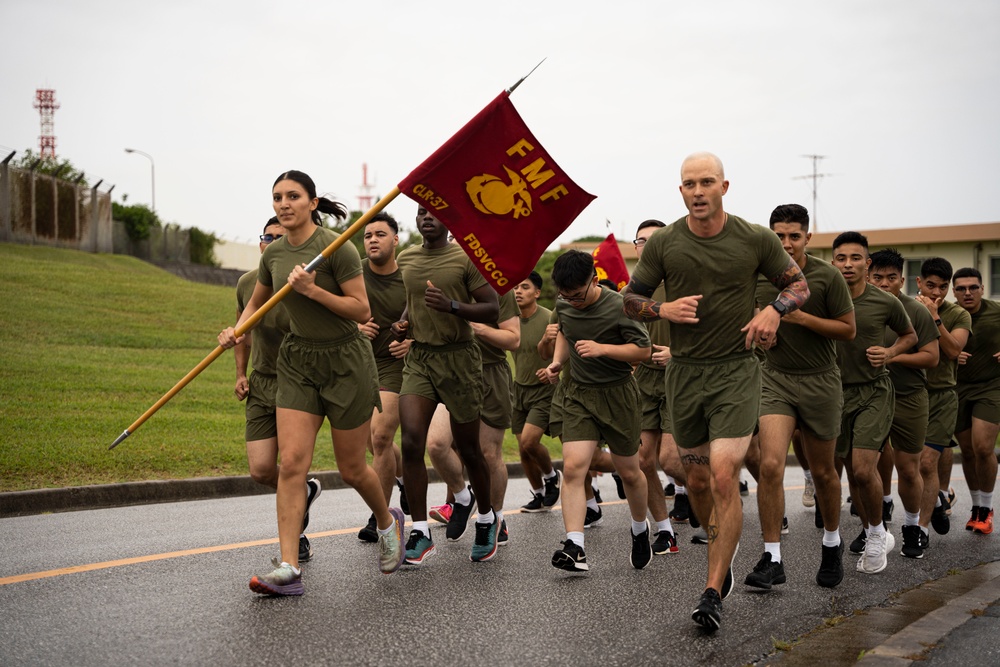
603,322
907,380
508,308
526,357
311,319
874,310
267,335
449,269
952,317
387,299
658,330
983,343
801,350
723,269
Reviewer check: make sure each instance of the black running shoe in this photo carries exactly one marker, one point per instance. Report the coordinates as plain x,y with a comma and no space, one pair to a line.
642,553
551,494
459,520
535,505
858,545
925,540
597,496
313,489
766,573
665,543
744,488
700,537
818,518
593,518
370,532
668,490
727,585
887,508
681,511
940,520
911,542
618,485
784,525
305,549
854,510
693,519
403,503
708,613
831,567
503,538
570,558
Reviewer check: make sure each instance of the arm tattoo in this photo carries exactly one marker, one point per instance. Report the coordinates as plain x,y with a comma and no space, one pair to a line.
639,304
794,290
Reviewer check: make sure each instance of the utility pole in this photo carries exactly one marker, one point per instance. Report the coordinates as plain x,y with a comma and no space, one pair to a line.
815,176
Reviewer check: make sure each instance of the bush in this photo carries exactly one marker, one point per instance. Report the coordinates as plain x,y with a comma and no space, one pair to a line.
203,247
138,219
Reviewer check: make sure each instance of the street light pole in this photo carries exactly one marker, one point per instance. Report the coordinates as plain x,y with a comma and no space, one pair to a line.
152,172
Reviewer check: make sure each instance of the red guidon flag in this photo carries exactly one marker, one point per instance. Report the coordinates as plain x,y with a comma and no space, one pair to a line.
499,192
609,263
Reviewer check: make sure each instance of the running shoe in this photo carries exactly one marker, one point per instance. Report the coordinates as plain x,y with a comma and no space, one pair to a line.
619,486
940,520
911,542
784,525
597,495
370,532
305,549
699,537
744,488
974,519
535,505
669,490
708,613
281,581
985,524
485,545
665,543
854,510
459,519
858,545
681,511
441,513
313,489
693,519
831,566
404,504
818,517
593,518
951,498
809,494
727,584
391,553
766,573
419,547
552,485
642,553
887,508
503,539
877,549
570,558
925,540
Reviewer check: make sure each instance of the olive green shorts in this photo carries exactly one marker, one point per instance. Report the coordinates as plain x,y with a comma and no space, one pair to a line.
981,401
604,412
260,411
448,374
335,378
532,405
390,374
908,432
942,413
815,400
712,400
556,411
867,415
653,396
497,397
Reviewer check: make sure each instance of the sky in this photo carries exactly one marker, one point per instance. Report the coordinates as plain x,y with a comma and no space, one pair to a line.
901,96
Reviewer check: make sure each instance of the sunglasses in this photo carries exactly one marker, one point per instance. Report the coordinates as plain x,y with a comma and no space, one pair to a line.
267,238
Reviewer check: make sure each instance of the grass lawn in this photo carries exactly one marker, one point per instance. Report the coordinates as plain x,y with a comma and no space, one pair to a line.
88,342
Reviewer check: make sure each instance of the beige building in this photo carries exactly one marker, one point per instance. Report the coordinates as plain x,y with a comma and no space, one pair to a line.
975,245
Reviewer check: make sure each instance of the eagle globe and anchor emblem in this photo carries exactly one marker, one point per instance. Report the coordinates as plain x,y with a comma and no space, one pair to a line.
492,195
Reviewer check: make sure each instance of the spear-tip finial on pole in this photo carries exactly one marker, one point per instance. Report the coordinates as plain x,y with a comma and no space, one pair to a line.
512,88
119,439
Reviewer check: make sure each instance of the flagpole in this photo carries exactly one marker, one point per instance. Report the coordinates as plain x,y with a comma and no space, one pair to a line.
519,81
256,317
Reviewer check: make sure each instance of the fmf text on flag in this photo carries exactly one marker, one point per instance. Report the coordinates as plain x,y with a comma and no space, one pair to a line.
609,263
499,192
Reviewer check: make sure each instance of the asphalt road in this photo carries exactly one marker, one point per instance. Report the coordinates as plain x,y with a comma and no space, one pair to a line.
167,584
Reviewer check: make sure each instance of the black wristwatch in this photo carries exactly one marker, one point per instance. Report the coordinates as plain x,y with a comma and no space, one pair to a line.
780,307
454,307
937,322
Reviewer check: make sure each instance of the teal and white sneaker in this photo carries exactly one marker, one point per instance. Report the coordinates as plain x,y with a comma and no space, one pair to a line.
390,547
419,547
485,546
282,581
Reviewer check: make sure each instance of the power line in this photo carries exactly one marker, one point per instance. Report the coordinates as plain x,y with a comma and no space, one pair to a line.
815,176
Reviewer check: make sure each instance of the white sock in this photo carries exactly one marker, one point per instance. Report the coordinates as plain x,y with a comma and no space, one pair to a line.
296,570
422,527
877,529
986,499
664,526
592,504
937,501
679,488
550,475
486,518
538,492
887,499
910,518
463,497
924,530
399,480
808,475
638,527
773,548
831,538
389,529
975,498
593,484
575,538
671,480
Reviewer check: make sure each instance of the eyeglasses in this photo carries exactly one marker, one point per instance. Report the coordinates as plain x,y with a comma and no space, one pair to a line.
267,238
638,243
971,289
573,299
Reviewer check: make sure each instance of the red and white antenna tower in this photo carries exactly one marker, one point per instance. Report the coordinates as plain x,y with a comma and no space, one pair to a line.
45,102
365,196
